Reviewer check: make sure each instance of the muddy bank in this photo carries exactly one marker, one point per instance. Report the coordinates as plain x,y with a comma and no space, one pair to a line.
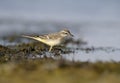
24,49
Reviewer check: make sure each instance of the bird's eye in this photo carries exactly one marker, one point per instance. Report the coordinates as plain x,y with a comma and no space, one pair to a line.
65,33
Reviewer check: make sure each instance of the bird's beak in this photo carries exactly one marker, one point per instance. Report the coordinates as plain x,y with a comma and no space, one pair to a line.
71,35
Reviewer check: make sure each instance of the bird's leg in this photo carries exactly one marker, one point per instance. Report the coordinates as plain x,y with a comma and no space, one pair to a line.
50,48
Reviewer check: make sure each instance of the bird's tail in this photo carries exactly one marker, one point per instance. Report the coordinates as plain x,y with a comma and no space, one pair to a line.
31,37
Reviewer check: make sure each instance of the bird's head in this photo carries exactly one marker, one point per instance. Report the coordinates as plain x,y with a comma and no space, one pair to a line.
66,33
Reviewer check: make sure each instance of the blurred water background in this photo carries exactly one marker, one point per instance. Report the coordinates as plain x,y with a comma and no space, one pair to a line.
95,21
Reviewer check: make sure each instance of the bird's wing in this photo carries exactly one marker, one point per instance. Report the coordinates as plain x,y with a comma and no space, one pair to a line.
49,36
45,36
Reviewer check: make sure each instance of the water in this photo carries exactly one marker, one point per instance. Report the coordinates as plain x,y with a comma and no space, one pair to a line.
96,22
104,55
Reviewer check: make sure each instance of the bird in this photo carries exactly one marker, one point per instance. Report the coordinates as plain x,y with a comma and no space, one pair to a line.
52,39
